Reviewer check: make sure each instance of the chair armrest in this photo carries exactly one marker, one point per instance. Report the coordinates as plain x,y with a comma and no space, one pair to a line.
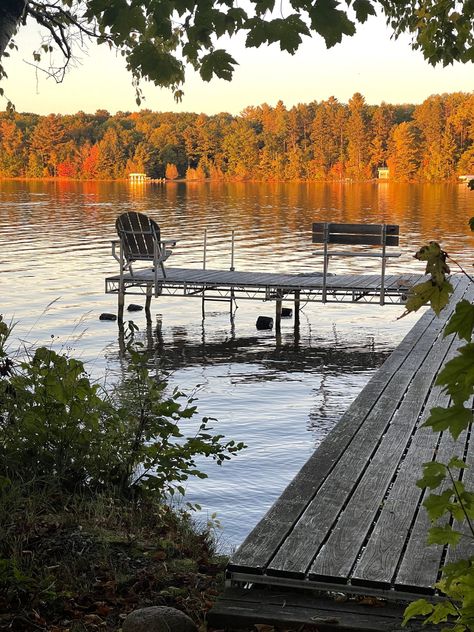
115,243
169,242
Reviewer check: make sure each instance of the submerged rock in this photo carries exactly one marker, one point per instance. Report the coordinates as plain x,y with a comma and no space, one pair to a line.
264,322
133,307
107,316
158,619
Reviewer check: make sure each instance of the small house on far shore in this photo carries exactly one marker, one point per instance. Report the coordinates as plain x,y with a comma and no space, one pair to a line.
383,173
137,177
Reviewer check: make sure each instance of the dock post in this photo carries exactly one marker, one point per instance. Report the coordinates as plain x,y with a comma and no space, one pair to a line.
278,312
149,291
382,280
297,309
121,289
121,303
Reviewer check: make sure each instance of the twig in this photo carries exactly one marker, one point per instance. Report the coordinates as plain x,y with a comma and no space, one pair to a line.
460,267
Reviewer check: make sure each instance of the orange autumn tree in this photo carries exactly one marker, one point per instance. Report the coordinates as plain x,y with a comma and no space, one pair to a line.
171,171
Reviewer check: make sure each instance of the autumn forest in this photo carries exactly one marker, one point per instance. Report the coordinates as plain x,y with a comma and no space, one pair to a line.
325,140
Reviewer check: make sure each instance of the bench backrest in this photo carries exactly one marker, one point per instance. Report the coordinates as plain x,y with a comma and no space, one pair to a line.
356,234
139,235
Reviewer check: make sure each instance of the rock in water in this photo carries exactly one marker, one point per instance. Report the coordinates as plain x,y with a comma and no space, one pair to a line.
158,619
107,316
264,322
133,307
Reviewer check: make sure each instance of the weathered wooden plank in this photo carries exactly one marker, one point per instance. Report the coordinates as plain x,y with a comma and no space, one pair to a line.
260,545
420,562
341,550
249,606
465,548
382,553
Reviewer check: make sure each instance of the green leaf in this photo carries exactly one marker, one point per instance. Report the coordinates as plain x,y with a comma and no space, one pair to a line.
462,321
443,535
330,22
363,8
455,419
457,376
218,63
435,258
417,608
434,474
457,462
257,34
262,6
438,504
437,295
289,32
159,66
441,612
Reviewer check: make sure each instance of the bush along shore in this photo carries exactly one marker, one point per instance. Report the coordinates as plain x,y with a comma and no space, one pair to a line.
87,531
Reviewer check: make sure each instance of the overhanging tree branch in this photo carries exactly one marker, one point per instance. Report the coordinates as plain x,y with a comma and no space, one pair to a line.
144,31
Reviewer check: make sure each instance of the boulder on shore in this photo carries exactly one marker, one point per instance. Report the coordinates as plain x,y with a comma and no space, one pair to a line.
158,619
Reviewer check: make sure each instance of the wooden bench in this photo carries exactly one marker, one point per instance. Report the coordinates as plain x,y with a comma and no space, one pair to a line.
381,235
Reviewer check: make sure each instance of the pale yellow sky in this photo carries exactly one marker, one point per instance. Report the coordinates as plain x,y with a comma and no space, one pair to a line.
370,63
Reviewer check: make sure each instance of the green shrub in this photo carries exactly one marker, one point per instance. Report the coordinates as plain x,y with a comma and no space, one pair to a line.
55,423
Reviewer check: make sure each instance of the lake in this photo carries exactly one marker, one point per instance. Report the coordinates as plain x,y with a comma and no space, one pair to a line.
279,395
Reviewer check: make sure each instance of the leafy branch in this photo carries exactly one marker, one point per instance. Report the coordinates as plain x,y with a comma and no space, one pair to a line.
453,507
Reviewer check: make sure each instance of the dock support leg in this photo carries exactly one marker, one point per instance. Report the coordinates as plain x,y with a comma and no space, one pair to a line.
149,292
278,315
297,309
121,304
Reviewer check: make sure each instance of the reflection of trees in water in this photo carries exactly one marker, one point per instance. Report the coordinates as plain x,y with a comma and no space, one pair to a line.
281,354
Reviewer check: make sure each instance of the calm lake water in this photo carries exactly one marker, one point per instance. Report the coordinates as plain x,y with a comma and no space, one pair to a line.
280,396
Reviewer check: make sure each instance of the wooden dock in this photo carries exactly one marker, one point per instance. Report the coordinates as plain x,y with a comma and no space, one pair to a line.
352,520
231,285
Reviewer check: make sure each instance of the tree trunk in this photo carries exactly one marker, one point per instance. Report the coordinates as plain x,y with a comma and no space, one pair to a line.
10,14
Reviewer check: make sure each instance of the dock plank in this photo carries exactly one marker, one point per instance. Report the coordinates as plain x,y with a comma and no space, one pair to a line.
253,606
420,564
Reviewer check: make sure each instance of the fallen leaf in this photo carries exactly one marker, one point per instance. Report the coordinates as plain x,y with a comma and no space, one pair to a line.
372,601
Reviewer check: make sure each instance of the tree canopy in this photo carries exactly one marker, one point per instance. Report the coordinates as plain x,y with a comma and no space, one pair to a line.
159,38
317,141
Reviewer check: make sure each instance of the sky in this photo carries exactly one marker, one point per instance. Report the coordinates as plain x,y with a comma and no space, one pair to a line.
372,63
